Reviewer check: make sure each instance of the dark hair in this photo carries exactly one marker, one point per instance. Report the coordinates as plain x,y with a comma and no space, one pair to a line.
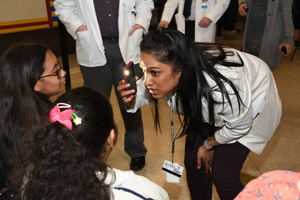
194,61
22,109
59,163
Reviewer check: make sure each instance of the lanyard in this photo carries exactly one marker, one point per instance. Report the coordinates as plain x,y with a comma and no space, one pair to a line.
173,138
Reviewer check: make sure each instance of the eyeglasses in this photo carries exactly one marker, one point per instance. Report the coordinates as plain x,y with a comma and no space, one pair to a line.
56,73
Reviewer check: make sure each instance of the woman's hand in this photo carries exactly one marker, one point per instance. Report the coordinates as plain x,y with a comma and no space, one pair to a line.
163,24
204,22
134,28
82,28
243,9
127,96
206,156
288,47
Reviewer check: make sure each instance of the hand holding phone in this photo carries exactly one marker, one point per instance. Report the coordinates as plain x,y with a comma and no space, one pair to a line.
243,8
283,50
129,76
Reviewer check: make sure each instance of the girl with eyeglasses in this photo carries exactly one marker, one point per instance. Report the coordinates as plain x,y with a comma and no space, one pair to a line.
66,158
29,75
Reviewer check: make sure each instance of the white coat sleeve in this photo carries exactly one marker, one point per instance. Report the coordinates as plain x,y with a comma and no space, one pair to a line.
66,10
143,9
217,10
235,123
143,96
169,9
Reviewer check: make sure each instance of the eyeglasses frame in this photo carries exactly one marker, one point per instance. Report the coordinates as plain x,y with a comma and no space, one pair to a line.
56,73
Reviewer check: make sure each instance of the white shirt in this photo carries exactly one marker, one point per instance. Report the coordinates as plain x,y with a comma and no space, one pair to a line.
126,185
256,122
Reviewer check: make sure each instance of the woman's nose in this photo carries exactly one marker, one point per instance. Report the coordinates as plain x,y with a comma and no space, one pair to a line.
147,80
62,73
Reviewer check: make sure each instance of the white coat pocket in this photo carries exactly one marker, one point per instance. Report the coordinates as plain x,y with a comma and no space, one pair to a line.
82,44
129,5
137,37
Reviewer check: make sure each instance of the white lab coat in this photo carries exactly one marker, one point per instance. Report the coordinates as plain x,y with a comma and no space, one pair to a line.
89,44
257,120
215,9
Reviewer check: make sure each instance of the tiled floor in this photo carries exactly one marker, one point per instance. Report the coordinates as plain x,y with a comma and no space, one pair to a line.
282,152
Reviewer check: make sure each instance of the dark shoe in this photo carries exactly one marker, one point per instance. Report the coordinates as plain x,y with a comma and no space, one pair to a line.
234,30
221,37
137,163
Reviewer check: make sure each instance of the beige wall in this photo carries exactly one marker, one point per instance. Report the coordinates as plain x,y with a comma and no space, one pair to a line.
17,10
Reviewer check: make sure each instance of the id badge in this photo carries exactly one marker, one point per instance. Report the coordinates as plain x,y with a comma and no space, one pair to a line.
129,5
173,171
204,4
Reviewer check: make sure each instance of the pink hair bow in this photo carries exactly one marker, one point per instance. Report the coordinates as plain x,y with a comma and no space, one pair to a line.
63,117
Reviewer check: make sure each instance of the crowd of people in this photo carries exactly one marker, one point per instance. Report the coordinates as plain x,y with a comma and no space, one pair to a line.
226,99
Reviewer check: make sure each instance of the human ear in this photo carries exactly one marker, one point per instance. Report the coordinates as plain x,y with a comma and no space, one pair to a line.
111,139
109,145
177,74
38,86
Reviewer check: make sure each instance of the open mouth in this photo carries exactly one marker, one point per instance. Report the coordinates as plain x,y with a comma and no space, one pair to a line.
152,91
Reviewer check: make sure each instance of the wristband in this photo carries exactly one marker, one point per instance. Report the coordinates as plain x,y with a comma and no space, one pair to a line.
206,146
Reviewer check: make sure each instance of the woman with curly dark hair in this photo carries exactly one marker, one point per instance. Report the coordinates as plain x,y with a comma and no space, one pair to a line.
29,75
66,159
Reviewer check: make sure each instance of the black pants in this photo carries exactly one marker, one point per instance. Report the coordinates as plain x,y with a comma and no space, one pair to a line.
103,78
226,166
228,19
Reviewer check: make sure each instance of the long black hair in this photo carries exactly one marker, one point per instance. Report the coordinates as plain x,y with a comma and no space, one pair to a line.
195,61
58,163
22,110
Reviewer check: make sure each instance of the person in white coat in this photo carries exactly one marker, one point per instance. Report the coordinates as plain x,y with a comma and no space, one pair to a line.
108,35
66,159
269,29
200,25
228,99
